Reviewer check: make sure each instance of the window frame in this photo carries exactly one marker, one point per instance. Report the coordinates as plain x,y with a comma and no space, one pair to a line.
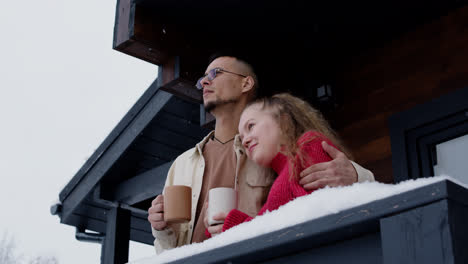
415,133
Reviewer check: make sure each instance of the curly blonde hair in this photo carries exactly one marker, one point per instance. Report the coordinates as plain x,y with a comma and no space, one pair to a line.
295,117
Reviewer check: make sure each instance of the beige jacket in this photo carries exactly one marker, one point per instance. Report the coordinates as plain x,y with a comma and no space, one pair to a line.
253,185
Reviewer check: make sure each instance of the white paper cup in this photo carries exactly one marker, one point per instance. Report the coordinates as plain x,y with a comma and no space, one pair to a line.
220,200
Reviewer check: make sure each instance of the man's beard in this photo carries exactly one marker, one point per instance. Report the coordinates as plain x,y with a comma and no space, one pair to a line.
212,105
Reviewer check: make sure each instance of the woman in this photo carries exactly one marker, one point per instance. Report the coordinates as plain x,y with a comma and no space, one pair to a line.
285,133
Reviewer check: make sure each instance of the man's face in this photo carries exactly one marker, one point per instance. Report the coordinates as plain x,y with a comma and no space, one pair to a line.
226,88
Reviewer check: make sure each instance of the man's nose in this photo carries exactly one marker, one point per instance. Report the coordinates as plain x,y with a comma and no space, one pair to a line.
204,81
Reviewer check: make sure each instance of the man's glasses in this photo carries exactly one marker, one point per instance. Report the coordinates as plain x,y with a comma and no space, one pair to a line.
212,74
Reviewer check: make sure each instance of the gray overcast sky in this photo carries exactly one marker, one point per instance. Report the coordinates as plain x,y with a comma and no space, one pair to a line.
62,90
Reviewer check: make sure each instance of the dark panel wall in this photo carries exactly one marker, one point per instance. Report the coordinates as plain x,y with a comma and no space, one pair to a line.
420,65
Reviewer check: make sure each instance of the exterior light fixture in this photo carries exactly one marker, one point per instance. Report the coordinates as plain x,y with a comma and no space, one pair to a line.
325,93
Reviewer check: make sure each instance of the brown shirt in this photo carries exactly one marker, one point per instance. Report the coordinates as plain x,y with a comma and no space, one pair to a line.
220,171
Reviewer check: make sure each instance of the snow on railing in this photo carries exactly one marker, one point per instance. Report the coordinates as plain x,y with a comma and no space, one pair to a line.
318,204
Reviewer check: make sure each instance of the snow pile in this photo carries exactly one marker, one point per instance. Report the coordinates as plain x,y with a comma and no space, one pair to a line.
319,203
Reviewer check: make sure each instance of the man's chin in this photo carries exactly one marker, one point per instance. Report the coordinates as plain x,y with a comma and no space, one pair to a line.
209,107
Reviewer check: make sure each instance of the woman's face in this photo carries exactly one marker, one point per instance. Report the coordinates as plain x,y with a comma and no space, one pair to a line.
260,134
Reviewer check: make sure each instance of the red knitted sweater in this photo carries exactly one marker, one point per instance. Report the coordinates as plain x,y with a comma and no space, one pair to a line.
285,189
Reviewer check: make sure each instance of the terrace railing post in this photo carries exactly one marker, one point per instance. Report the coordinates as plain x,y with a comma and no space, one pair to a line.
116,243
420,235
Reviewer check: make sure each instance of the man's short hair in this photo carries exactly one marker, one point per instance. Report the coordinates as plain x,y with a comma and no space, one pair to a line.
245,59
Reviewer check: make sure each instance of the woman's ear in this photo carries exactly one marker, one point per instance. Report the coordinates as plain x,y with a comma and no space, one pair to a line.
248,84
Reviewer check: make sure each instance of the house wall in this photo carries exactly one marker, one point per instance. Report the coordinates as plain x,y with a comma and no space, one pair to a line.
420,65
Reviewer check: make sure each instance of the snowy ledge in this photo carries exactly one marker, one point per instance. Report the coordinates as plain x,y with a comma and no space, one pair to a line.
328,201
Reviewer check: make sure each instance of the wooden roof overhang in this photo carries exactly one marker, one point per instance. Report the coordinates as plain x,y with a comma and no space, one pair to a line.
295,44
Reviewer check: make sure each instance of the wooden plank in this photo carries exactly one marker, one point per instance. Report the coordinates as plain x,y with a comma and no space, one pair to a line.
92,210
82,221
369,142
142,237
114,152
155,147
421,235
124,168
143,186
458,218
139,160
362,131
179,127
415,68
382,169
438,39
125,39
184,89
184,109
176,140
374,150
124,19
176,124
168,70
139,219
166,39
142,51
207,120
116,243
340,252
147,162
390,97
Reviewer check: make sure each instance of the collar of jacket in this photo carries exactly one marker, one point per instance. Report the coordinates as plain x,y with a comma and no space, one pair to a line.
238,148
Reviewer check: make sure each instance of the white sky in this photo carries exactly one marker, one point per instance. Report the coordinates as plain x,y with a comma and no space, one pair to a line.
62,90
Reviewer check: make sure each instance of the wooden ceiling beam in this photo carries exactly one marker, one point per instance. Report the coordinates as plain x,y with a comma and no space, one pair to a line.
125,39
172,81
184,89
143,186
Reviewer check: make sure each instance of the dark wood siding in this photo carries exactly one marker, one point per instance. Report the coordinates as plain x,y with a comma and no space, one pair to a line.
419,66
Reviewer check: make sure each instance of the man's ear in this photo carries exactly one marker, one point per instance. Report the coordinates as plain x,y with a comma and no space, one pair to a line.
248,84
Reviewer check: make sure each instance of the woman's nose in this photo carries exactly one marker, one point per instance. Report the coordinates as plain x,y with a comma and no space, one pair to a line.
246,142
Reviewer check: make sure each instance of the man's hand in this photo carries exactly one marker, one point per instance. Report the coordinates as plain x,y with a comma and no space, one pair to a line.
156,213
217,228
337,172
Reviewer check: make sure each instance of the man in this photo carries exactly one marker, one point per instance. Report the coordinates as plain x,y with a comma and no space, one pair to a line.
219,159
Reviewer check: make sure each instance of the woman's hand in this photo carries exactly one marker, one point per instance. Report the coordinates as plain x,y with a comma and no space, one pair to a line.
216,228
